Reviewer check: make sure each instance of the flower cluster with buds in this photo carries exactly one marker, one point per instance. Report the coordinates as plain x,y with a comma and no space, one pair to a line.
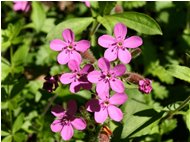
107,79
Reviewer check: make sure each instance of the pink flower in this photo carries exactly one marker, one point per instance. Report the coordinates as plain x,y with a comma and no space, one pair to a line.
66,120
68,48
117,47
21,5
78,77
87,3
107,77
145,86
106,106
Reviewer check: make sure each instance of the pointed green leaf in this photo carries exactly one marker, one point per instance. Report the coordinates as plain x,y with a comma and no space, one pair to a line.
77,25
180,72
18,123
4,133
8,139
139,22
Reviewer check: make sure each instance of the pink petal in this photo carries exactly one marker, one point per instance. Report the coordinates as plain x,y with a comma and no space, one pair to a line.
118,99
101,115
94,76
103,96
67,78
120,31
79,123
57,44
111,53
67,132
102,87
133,42
86,85
17,6
104,64
86,69
119,70
115,113
87,3
82,45
75,86
124,56
106,41
93,105
58,111
68,35
63,57
56,126
117,85
73,65
74,55
71,107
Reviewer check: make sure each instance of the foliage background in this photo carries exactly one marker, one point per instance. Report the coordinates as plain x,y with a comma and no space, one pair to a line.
27,59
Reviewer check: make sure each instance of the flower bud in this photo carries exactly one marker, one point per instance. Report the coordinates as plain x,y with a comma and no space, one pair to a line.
51,83
145,86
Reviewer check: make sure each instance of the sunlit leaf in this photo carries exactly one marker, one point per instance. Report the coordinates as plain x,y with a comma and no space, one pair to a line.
139,22
18,123
76,24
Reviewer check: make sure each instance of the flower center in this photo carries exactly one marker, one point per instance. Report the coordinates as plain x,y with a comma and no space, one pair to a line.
78,75
70,47
108,76
119,44
106,103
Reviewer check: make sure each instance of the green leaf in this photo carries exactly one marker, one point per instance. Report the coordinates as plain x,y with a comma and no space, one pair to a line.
8,139
20,55
180,72
4,133
134,4
105,7
38,15
187,118
159,90
48,25
138,115
139,22
77,25
19,137
168,125
18,123
159,71
6,69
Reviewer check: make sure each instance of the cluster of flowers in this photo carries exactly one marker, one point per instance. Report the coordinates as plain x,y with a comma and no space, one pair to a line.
107,78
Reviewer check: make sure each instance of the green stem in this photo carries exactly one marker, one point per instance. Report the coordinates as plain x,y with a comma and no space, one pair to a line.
11,59
95,27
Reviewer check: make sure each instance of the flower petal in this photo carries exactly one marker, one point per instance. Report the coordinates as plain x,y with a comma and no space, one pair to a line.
94,76
58,111
117,85
93,105
104,95
106,41
118,99
67,132
67,78
86,69
120,31
71,107
101,115
68,35
104,64
74,55
115,113
124,56
86,85
119,70
111,53
73,65
63,57
102,87
56,126
57,44
82,45
133,42
79,123
75,86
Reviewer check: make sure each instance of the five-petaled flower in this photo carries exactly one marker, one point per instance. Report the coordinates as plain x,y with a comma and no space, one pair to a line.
105,106
66,120
68,48
78,77
145,85
117,47
21,6
107,77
